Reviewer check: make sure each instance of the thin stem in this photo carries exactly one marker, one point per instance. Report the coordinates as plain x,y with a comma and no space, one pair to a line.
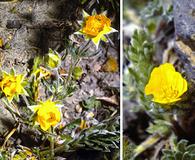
85,46
55,150
72,66
110,41
52,144
58,82
69,74
25,100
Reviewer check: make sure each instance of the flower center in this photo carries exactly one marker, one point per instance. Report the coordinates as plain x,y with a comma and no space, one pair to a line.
170,93
95,24
52,117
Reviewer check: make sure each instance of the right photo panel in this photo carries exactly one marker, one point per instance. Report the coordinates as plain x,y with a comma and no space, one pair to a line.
158,80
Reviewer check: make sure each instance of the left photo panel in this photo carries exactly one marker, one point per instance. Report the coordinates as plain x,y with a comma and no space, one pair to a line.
60,79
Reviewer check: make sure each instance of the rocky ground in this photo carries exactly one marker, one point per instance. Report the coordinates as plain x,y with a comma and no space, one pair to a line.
29,28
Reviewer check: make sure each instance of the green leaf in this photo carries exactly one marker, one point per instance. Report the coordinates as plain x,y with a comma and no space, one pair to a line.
182,145
192,156
186,156
91,103
167,152
12,71
170,158
160,126
178,155
191,148
7,46
181,151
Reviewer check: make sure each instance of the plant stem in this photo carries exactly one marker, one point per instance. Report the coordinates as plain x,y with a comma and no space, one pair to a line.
25,100
52,145
72,66
86,45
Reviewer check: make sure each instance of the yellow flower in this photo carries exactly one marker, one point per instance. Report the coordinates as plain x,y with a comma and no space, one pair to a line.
95,27
54,59
111,65
48,114
42,72
165,84
12,85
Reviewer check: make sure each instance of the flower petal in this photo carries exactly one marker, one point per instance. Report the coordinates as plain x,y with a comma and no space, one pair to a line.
85,14
97,39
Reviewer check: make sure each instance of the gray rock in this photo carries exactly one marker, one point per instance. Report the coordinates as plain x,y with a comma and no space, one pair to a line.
184,19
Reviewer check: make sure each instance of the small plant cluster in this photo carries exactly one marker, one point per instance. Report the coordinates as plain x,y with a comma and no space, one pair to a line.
180,150
35,99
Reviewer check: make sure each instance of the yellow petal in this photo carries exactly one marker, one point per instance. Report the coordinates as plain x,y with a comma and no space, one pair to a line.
180,84
44,126
10,98
97,39
154,82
